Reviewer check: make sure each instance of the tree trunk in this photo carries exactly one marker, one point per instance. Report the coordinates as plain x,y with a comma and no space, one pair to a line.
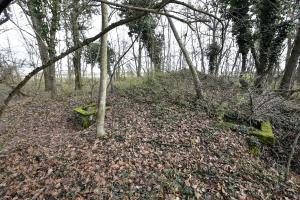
46,44
197,83
76,40
43,49
235,61
244,62
66,28
298,74
103,76
291,64
139,67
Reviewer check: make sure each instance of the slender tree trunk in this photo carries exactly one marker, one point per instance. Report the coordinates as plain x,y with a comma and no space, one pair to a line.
103,76
291,64
293,147
139,67
298,74
135,57
76,40
66,28
235,61
197,83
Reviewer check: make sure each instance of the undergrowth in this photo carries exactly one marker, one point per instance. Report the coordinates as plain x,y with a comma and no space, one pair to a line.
223,96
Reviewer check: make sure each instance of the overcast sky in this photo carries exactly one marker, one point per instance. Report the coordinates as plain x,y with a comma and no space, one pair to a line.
19,36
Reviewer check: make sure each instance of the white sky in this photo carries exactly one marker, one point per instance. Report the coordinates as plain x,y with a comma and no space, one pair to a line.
19,36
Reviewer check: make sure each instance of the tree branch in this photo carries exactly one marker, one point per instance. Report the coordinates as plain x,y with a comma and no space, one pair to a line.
62,55
72,49
149,10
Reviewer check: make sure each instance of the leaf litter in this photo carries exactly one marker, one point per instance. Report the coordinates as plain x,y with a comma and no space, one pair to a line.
153,151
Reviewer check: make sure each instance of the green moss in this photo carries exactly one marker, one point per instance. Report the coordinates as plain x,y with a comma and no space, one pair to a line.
87,114
86,110
265,134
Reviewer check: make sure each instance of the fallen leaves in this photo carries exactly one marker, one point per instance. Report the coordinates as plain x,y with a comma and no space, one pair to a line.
152,152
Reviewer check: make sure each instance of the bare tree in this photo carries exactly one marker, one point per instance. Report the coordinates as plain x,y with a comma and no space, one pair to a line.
103,76
197,83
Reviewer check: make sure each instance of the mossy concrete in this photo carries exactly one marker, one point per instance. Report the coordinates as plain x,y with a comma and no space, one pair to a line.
87,114
265,134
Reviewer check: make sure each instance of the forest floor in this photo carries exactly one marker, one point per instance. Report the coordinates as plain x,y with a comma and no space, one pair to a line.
153,151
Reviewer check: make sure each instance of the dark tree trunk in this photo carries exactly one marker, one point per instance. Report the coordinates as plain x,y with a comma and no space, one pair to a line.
291,64
244,64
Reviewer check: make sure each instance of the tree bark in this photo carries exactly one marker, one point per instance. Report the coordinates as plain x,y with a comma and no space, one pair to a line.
43,49
298,74
139,67
197,83
76,40
291,64
103,76
244,64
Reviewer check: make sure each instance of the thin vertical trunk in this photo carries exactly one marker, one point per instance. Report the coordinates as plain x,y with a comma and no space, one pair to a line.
139,67
76,40
66,28
235,61
286,82
103,77
134,56
298,74
197,83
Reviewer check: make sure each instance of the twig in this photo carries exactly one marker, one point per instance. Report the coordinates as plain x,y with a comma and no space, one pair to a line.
288,166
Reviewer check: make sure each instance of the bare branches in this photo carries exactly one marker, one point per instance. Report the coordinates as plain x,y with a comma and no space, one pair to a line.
149,10
62,55
74,48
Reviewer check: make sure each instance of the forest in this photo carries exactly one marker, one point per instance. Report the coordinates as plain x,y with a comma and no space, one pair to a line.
149,99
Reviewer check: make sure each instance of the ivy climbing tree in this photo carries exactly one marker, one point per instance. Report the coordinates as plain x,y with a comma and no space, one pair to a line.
273,29
239,14
45,17
145,29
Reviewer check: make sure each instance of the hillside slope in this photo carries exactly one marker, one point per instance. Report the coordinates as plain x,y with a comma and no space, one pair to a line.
154,150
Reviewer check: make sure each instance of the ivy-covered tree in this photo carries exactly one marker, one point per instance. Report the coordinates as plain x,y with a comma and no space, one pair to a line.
76,20
212,53
92,56
45,17
145,29
238,12
273,29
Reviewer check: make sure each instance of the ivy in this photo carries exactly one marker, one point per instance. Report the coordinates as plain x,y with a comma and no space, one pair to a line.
145,28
